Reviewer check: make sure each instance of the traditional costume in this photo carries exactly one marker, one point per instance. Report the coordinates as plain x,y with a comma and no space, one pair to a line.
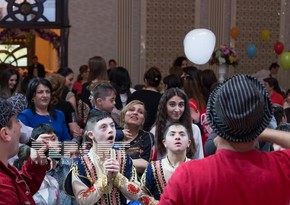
88,182
155,179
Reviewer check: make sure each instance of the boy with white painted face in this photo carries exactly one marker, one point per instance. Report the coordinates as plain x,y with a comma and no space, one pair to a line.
176,141
104,175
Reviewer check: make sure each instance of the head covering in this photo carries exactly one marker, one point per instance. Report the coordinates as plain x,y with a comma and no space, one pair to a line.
19,101
7,110
239,109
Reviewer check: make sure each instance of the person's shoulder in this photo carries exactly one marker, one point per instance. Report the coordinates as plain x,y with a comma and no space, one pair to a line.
26,112
59,113
281,154
195,128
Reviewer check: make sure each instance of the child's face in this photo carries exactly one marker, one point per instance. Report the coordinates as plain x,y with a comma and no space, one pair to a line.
176,139
108,103
104,132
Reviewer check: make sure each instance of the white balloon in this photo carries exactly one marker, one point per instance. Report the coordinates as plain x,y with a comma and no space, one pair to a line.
199,45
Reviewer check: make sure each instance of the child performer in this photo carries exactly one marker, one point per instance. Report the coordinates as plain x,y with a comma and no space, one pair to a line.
104,175
157,174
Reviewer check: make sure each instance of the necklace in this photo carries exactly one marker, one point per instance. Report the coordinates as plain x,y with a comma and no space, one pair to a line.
171,163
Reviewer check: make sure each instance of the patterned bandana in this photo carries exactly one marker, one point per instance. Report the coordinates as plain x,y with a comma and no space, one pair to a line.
7,110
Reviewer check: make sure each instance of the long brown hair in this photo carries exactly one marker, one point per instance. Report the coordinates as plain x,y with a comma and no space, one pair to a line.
98,69
162,118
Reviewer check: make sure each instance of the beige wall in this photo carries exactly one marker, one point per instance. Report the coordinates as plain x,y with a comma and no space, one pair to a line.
93,31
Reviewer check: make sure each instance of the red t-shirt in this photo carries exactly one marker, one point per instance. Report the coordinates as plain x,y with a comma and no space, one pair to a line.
230,177
277,98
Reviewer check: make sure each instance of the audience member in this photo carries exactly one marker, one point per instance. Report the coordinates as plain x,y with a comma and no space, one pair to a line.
180,62
149,95
274,90
48,193
140,142
36,69
41,111
193,87
174,107
121,81
239,110
58,83
18,187
171,81
67,93
97,73
81,79
272,72
176,141
112,65
9,82
110,177
103,97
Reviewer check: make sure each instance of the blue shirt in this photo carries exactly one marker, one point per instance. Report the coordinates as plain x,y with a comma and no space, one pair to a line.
31,119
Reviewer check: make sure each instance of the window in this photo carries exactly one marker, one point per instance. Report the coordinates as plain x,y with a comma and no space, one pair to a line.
28,10
14,54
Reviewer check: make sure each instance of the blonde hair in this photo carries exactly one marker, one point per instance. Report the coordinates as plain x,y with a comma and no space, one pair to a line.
126,108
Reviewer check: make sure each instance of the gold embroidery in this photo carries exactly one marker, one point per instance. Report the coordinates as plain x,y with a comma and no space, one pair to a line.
117,180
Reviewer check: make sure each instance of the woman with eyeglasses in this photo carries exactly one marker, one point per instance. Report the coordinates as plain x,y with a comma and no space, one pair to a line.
41,111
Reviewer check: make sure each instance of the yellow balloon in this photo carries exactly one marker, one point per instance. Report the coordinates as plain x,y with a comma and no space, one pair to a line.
265,35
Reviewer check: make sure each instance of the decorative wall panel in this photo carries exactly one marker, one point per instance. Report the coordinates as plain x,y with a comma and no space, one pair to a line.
251,18
167,23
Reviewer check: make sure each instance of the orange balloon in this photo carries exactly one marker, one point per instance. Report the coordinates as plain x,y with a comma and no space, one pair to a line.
234,33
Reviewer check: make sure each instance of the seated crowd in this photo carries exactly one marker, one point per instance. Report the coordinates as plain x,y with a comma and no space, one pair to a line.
99,141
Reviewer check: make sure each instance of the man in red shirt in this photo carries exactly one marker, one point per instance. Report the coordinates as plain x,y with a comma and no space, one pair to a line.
18,187
238,110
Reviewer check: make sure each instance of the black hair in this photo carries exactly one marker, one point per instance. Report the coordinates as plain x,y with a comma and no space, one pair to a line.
41,129
178,61
121,81
172,81
31,92
273,83
274,65
65,71
4,84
